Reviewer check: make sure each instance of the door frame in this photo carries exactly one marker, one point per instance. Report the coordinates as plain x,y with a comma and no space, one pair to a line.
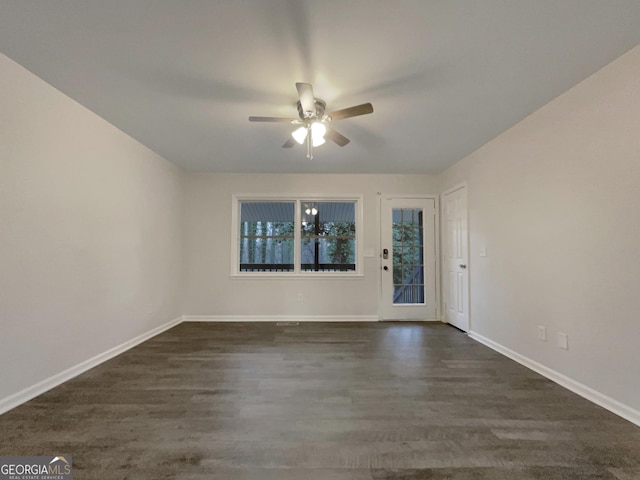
437,252
449,190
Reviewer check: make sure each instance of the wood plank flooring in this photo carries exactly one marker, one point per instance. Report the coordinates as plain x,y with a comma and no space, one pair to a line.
321,401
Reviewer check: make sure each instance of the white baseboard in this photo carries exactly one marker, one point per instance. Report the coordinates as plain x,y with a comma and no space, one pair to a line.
589,393
39,388
280,318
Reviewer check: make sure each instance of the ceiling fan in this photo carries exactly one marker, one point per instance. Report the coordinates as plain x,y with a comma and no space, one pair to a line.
313,124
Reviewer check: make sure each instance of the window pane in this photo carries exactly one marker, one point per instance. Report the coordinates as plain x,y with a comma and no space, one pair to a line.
332,255
408,256
408,294
328,231
266,236
329,218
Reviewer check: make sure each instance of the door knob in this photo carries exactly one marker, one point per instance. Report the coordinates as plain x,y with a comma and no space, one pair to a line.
462,265
385,268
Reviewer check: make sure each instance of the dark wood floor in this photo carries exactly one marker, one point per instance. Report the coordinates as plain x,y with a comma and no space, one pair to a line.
321,402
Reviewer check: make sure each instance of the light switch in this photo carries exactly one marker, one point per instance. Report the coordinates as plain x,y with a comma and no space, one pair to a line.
563,341
542,333
483,252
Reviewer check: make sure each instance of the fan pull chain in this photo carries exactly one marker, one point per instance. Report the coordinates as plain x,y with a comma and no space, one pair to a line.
309,145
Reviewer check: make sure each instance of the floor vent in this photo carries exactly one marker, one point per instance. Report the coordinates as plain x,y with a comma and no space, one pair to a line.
287,324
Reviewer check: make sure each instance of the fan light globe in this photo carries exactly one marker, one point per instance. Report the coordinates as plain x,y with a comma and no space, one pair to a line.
318,131
299,135
317,141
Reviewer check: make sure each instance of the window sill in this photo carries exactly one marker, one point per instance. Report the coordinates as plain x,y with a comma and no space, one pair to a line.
297,276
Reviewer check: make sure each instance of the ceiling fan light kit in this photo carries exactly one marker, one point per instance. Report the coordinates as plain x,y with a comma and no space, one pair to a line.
313,125
299,134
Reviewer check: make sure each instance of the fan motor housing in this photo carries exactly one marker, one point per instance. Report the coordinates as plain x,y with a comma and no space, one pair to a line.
320,107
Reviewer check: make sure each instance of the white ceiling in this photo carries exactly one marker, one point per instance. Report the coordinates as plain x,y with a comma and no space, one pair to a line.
444,76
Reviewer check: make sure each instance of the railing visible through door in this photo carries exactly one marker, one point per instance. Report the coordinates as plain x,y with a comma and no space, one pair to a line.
408,256
412,289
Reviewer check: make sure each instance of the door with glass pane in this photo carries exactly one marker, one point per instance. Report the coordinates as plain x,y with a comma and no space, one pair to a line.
408,259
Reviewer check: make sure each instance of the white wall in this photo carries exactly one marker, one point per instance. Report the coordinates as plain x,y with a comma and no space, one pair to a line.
211,291
90,234
554,200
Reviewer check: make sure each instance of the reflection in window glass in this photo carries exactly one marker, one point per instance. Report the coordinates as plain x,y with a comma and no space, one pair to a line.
328,236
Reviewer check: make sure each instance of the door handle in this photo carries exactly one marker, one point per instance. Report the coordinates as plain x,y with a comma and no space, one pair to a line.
462,265
385,268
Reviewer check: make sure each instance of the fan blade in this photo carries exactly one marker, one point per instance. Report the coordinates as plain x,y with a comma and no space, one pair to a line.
307,100
289,143
271,119
352,111
334,136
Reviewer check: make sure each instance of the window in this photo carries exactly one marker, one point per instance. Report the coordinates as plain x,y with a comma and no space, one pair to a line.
266,236
302,236
408,255
328,236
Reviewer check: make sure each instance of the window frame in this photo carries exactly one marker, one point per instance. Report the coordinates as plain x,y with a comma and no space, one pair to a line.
298,199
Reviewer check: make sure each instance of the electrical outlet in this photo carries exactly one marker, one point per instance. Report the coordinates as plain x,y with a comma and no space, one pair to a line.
300,297
563,341
542,333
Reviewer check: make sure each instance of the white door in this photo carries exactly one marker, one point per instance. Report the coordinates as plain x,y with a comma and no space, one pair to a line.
455,258
408,259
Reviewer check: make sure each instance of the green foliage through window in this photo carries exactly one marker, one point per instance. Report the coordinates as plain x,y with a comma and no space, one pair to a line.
267,232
